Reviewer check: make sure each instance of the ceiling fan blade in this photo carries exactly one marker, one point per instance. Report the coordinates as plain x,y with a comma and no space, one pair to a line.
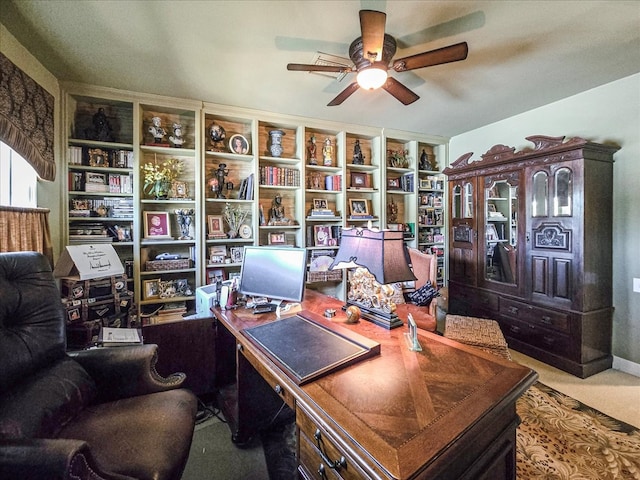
399,91
303,67
343,95
452,53
372,28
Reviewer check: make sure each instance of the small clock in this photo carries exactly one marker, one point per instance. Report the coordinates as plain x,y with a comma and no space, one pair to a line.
245,231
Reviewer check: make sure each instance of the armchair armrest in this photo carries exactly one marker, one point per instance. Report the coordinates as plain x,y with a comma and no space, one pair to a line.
121,372
35,459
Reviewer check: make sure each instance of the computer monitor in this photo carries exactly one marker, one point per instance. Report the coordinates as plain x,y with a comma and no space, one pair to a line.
277,273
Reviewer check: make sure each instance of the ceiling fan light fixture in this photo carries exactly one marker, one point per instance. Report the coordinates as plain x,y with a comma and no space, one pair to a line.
371,78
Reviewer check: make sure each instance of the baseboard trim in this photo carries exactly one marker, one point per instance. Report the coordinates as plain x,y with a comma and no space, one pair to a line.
626,366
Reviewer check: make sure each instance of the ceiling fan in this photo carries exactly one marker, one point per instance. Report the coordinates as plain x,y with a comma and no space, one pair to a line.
371,55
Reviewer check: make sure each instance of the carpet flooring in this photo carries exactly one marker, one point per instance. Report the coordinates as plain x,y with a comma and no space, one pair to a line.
559,439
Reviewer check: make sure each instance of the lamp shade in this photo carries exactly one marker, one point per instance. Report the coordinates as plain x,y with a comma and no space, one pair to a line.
382,252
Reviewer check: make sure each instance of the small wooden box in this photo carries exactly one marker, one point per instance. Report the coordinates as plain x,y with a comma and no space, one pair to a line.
160,265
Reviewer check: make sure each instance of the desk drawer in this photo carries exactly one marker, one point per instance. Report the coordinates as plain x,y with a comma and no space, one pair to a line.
536,315
319,452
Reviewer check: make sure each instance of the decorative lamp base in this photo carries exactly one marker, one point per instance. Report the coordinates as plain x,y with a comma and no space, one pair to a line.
377,316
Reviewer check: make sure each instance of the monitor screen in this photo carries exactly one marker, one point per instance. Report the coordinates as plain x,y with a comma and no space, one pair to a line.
277,273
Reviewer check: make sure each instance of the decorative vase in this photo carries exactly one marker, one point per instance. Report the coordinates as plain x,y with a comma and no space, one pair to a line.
161,189
276,142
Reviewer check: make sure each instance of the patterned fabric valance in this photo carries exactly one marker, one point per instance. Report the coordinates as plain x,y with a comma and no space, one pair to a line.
26,118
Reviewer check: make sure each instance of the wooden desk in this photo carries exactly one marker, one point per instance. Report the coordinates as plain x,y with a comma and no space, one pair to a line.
447,412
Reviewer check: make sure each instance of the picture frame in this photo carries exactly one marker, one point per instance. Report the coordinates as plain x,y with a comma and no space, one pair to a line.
320,204
239,144
236,254
98,157
393,183
358,207
217,254
425,184
156,225
215,275
358,180
179,189
151,288
277,238
322,235
215,225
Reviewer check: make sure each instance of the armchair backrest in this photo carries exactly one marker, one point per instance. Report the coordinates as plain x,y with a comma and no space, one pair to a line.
32,322
424,267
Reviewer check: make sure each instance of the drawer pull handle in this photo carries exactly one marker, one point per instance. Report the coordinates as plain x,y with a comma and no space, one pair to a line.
321,471
549,340
278,389
514,329
338,464
513,310
546,319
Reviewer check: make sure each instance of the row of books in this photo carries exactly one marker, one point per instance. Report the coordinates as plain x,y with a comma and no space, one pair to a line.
101,182
99,157
279,176
87,207
333,182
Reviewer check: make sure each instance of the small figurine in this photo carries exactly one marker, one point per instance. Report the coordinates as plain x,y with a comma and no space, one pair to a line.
156,130
276,214
358,158
176,138
327,152
312,151
101,128
218,183
184,221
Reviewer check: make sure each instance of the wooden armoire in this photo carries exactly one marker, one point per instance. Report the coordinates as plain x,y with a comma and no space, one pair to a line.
531,247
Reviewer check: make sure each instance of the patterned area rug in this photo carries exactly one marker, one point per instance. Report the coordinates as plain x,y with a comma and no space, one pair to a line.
562,439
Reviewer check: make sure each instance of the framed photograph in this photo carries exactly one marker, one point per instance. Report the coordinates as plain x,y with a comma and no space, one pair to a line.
237,254
320,204
151,288
156,225
179,190
93,177
215,275
358,180
214,225
425,183
98,158
358,206
393,183
277,238
322,235
239,144
217,253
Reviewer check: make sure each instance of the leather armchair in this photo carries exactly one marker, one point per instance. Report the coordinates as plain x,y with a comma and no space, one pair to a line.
95,414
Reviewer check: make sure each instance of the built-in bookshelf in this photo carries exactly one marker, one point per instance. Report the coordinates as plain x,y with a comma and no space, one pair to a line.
234,188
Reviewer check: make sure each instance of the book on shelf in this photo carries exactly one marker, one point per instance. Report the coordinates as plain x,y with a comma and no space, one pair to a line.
119,337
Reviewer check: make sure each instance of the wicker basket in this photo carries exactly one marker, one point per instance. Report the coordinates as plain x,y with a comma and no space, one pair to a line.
158,265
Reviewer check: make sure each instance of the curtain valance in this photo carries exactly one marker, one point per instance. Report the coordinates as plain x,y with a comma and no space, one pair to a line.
26,118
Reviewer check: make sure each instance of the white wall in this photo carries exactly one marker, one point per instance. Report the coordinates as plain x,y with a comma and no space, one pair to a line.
606,114
48,192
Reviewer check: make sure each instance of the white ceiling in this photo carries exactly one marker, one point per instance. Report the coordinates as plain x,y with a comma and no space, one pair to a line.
522,54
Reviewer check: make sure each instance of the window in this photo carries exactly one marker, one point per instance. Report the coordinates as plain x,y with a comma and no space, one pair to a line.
18,179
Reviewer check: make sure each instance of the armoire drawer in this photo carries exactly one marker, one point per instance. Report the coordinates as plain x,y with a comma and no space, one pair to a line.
544,338
536,315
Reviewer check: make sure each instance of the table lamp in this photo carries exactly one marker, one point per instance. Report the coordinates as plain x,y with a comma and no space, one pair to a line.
380,259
